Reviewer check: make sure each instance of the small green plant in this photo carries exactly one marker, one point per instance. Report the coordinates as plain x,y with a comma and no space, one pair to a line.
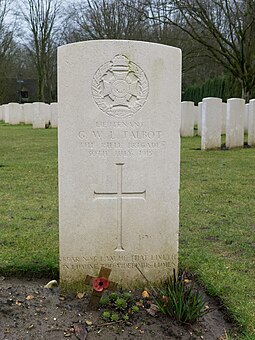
125,317
113,297
115,317
106,315
181,301
127,296
118,306
121,303
135,309
104,301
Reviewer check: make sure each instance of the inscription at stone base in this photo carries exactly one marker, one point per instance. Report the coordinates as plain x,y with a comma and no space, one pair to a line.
118,261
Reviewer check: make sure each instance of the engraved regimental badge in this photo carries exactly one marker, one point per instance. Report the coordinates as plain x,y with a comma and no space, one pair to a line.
120,87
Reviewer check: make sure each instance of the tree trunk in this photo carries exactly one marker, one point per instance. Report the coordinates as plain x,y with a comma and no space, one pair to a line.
245,93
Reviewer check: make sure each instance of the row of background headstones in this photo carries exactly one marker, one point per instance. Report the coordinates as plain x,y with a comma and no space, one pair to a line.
38,114
214,118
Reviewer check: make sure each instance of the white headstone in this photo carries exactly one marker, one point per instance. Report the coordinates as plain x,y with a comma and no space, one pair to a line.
22,113
199,121
47,113
235,123
118,160
39,115
28,109
187,119
246,118
1,112
195,114
251,127
223,118
6,113
14,113
211,123
54,115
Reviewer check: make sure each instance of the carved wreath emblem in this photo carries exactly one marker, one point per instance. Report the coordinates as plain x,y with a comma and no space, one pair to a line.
120,87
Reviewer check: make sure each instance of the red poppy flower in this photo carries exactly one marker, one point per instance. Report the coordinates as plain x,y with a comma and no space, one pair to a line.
100,283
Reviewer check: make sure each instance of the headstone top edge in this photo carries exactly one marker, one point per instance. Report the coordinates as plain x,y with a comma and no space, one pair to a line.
117,42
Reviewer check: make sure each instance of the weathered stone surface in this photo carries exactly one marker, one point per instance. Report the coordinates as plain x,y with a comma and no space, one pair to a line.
211,123
118,160
235,123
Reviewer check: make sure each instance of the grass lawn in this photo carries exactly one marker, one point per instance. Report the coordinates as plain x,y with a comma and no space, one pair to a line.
217,215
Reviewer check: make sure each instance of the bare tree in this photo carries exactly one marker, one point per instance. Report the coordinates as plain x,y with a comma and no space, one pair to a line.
105,19
7,48
225,28
6,35
41,18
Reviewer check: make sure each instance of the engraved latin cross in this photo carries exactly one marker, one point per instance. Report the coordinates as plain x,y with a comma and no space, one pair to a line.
119,195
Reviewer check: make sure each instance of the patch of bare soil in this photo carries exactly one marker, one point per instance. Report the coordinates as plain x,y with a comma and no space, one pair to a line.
30,311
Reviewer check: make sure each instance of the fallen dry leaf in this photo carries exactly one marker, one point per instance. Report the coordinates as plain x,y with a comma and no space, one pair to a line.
88,322
30,297
145,294
152,310
80,295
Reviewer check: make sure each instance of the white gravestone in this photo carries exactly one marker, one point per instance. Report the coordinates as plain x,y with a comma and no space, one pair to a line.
211,123
14,113
6,113
54,115
246,118
118,160
28,109
235,123
199,120
187,119
223,118
22,113
251,127
1,112
195,114
47,113
39,115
